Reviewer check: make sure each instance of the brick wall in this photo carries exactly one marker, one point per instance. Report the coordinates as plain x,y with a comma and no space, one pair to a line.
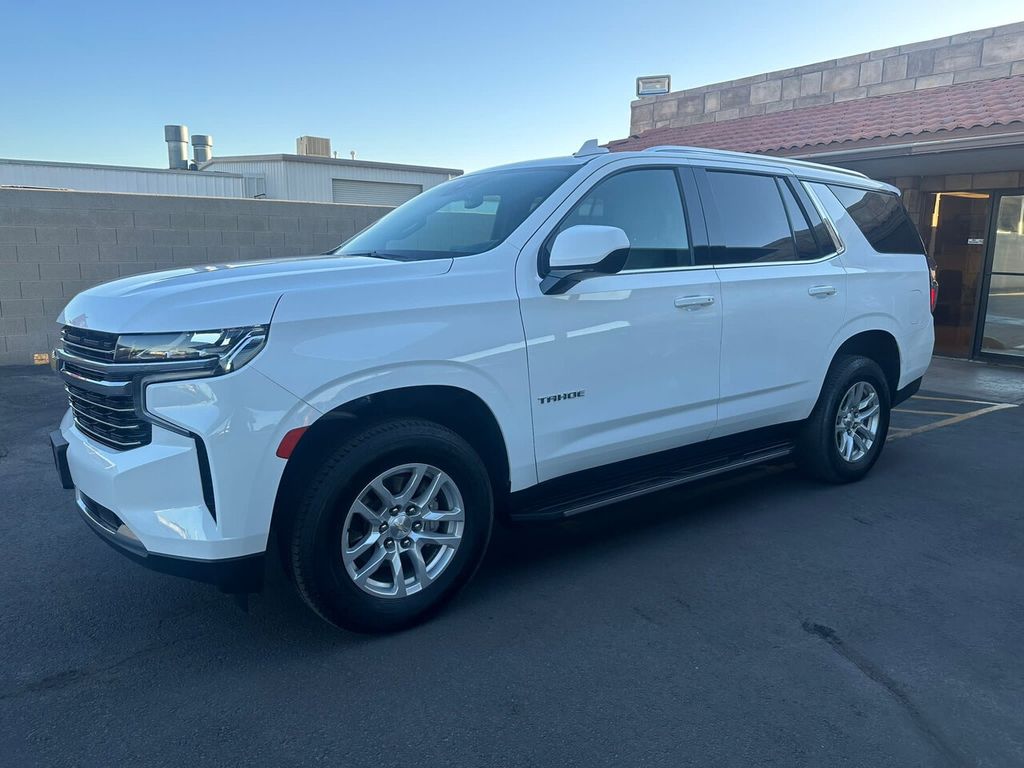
55,244
982,54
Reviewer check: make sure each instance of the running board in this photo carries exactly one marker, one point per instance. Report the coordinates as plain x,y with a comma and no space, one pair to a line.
652,483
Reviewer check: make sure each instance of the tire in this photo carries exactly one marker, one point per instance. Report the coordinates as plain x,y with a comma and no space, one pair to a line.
819,452
328,519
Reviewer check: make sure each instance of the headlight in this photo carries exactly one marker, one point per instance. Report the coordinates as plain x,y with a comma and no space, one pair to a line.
225,350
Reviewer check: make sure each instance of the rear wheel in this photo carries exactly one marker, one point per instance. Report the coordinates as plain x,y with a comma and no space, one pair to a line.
392,525
846,431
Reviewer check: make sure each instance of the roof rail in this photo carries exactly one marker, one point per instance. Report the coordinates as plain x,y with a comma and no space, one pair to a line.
725,153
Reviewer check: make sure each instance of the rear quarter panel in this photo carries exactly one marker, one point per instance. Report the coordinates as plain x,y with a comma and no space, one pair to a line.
885,291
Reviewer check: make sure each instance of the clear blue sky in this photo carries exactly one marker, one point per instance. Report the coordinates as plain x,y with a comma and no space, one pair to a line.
458,84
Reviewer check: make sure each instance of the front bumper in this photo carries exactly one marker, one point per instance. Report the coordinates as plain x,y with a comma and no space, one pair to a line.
198,499
236,575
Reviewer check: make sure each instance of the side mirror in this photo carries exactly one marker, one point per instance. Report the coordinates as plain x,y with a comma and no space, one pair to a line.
582,251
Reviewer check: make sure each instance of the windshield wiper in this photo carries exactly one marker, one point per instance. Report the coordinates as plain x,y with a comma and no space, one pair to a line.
375,255
401,255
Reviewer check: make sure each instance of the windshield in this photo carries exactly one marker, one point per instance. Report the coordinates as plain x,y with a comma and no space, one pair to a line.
470,214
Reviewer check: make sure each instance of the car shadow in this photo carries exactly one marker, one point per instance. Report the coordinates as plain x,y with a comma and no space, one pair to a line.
517,550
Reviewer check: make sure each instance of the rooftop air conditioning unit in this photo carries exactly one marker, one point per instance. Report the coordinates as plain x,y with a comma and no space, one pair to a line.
313,146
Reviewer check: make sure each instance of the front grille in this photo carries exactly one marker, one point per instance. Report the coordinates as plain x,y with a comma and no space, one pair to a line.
111,417
108,419
91,345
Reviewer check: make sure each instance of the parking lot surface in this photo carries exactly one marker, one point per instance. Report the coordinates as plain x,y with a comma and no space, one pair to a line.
757,620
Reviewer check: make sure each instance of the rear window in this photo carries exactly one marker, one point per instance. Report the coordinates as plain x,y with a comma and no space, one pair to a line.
882,219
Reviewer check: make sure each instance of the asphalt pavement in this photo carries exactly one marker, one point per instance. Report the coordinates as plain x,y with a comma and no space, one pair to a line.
757,620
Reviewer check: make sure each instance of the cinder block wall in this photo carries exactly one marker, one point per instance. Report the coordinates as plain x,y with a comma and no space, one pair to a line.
54,244
981,54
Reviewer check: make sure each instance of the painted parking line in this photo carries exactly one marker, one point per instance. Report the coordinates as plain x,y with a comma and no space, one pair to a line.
954,400
927,413
897,433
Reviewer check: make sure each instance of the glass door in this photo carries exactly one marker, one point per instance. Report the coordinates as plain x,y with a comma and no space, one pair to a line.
956,241
1003,329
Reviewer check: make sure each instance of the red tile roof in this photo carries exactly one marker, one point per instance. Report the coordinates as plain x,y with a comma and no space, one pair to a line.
969,105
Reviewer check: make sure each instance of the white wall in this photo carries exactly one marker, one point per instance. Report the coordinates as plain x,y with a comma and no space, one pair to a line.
311,181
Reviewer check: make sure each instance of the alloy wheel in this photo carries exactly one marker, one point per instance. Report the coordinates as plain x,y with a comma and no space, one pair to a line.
402,530
857,421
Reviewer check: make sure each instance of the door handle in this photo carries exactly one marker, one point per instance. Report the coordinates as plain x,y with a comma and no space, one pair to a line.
691,303
822,290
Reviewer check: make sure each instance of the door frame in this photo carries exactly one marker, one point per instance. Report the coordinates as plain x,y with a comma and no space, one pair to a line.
995,196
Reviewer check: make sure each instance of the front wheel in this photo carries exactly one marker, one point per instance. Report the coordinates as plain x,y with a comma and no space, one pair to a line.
846,431
392,525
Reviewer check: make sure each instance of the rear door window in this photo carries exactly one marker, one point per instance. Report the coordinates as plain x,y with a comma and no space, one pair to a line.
813,238
751,223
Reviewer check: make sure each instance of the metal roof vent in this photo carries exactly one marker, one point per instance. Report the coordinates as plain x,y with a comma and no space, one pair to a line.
202,148
313,146
176,137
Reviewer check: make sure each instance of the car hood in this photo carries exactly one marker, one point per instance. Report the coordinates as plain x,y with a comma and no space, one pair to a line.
225,295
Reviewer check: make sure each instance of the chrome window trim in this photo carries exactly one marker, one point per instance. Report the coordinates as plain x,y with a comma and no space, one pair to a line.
657,270
777,263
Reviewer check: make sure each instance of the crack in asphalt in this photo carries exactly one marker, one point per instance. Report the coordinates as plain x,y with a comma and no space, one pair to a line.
951,756
647,617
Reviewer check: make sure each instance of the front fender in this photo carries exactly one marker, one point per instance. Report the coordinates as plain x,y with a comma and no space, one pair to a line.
516,433
459,329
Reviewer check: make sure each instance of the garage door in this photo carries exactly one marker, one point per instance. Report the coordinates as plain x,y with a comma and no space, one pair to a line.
373,192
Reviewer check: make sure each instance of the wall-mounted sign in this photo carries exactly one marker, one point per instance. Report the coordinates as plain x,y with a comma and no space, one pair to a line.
975,240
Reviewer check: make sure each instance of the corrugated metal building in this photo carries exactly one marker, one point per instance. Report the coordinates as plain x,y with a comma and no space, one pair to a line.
298,178
114,178
333,180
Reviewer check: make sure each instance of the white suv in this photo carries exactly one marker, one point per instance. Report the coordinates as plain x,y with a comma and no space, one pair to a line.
531,342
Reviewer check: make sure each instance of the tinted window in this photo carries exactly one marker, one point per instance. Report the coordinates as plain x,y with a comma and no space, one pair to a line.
806,243
881,218
470,214
753,225
647,206
822,234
